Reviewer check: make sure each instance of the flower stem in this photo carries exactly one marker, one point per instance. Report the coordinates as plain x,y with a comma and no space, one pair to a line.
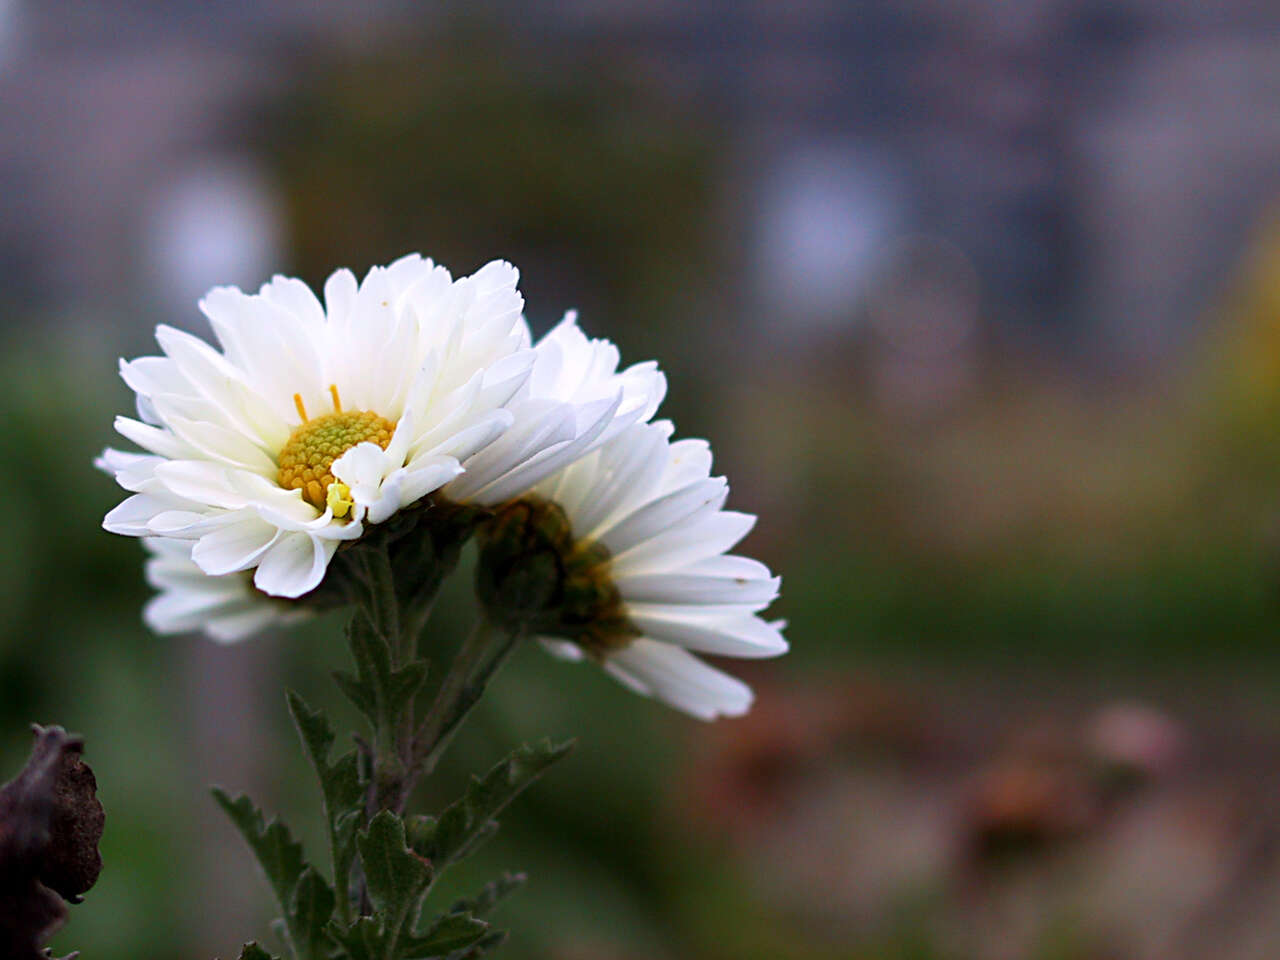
384,605
485,650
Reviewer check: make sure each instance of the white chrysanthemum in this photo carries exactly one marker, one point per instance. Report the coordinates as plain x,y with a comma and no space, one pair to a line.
227,608
654,506
574,400
315,420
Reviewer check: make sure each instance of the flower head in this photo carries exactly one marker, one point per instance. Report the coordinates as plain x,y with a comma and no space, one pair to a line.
640,531
315,420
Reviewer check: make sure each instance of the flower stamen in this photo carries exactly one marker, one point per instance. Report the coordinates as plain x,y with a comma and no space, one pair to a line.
307,458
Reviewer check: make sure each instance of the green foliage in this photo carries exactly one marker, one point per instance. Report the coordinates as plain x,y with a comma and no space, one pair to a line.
339,781
383,869
309,911
379,689
340,784
397,877
375,913
450,933
279,855
305,897
491,894
482,947
363,940
466,823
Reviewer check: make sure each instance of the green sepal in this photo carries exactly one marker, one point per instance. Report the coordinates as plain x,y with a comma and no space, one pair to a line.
490,895
309,912
452,932
279,855
467,822
397,877
251,951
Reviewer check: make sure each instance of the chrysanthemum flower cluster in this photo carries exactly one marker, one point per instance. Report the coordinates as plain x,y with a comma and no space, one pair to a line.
412,394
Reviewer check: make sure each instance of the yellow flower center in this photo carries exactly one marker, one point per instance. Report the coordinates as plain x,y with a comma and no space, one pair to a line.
306,460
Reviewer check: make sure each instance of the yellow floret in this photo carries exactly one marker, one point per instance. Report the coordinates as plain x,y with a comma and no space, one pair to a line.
307,457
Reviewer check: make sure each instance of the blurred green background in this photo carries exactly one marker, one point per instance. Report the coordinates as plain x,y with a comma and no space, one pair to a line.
981,312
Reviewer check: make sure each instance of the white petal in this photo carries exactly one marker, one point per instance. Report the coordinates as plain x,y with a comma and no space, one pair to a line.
680,679
684,586
155,439
427,477
675,548
362,468
218,442
232,626
236,546
562,649
131,518
741,636
665,512
294,565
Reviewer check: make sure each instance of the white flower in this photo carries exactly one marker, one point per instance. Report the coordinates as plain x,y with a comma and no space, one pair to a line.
655,508
227,608
574,400
314,420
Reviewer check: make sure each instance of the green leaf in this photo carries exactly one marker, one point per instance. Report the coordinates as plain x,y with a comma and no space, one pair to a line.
340,783
358,693
454,931
372,656
405,684
344,842
340,780
279,855
397,877
252,951
363,941
380,691
484,947
309,912
468,822
490,895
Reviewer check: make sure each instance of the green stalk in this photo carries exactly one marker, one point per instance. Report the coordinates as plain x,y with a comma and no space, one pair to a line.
485,650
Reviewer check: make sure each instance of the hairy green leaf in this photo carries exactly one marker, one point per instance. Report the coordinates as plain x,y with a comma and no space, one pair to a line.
358,693
468,821
379,690
364,940
279,855
252,951
490,895
397,877
339,780
340,785
485,946
454,931
309,912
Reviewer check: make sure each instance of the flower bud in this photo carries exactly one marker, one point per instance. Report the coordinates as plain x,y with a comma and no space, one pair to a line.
520,576
533,575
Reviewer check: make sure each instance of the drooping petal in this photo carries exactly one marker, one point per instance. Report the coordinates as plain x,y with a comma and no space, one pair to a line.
680,679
